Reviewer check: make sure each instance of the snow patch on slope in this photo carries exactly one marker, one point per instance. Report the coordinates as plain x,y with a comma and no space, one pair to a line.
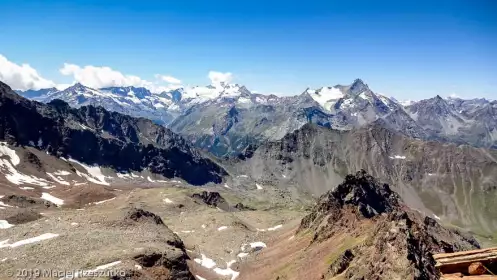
103,201
45,236
227,271
51,198
326,96
5,224
94,173
8,160
58,179
398,157
205,262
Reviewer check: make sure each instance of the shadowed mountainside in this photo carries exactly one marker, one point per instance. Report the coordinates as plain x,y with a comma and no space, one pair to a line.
94,135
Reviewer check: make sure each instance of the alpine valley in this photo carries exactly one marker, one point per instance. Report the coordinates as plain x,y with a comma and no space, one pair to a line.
217,182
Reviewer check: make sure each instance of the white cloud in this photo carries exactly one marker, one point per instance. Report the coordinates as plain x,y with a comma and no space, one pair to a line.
453,95
103,76
169,79
218,77
22,77
100,77
25,77
63,86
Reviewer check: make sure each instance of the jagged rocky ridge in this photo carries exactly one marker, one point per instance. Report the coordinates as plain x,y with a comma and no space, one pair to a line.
455,120
94,135
457,183
395,242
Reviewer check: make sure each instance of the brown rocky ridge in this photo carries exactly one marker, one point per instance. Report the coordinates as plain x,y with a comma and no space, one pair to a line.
360,230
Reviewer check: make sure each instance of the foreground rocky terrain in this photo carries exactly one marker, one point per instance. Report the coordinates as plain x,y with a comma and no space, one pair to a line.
163,232
175,231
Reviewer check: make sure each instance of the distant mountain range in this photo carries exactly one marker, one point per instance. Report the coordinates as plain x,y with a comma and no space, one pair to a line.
226,118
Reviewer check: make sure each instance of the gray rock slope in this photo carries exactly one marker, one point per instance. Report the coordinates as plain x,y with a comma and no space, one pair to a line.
457,183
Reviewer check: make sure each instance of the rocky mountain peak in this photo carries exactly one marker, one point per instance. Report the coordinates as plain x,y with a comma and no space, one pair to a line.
357,87
176,94
77,86
367,194
363,194
59,105
436,106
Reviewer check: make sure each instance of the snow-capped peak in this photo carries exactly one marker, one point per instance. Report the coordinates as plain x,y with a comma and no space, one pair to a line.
234,90
77,86
403,103
200,94
139,92
326,96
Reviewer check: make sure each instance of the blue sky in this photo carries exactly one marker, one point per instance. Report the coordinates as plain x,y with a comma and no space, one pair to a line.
405,49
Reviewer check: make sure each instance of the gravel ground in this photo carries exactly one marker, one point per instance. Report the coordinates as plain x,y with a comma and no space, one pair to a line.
98,234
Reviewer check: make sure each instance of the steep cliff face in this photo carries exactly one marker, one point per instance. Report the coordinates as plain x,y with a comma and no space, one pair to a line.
94,135
457,183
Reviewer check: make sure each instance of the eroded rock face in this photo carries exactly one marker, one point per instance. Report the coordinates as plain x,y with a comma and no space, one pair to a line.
22,201
393,242
24,216
215,199
210,198
168,265
140,215
341,263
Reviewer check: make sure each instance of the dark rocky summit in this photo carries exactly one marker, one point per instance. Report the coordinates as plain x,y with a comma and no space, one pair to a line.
169,265
210,198
215,199
391,241
95,136
365,193
140,215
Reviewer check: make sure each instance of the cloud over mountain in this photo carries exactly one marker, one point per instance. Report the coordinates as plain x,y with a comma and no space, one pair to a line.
99,77
168,79
22,77
220,77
